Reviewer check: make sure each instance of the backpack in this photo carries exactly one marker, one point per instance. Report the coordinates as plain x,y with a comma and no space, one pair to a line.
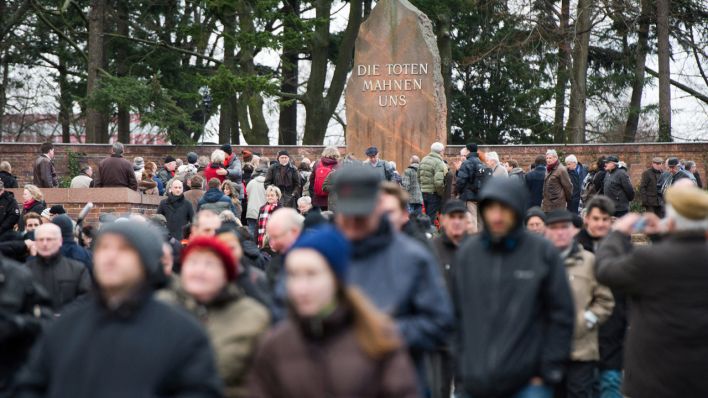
321,174
482,175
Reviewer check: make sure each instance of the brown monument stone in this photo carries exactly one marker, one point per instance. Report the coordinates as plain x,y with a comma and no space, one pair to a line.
395,97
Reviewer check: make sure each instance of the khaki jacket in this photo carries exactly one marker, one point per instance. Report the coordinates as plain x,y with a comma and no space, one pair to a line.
588,295
557,189
234,324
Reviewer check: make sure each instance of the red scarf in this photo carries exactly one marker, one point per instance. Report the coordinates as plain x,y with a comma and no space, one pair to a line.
550,167
28,205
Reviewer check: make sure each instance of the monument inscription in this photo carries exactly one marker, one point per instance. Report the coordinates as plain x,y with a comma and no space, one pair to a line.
395,97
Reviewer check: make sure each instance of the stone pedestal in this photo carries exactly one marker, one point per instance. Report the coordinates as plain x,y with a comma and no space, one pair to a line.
395,97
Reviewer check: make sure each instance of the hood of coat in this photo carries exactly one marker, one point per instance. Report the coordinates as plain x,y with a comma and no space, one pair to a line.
509,193
66,226
7,195
175,198
260,171
213,195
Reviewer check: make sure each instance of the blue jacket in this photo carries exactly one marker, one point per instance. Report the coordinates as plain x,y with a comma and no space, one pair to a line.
534,182
215,196
73,251
160,185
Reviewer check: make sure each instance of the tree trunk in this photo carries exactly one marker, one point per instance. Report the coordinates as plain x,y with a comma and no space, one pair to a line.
122,68
65,100
562,74
287,124
635,103
228,119
575,129
94,122
663,8
3,88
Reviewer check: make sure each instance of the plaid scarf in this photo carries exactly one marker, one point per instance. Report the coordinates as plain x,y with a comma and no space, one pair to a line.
263,216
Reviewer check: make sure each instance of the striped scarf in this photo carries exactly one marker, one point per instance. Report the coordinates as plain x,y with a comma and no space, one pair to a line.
263,216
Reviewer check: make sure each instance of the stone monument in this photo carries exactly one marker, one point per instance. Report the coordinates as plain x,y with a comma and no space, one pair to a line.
395,96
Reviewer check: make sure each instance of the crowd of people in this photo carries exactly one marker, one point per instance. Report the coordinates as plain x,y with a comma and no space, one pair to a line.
467,277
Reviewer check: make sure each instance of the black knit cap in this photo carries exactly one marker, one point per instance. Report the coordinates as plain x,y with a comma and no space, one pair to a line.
146,241
472,147
227,148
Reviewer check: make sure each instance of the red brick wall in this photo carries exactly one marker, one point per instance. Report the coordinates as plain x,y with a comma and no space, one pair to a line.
637,156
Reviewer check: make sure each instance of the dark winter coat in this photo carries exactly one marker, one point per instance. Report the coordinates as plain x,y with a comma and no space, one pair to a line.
288,181
402,279
64,279
9,212
514,306
648,187
143,348
13,246
666,353
215,200
619,188
24,307
534,183
467,185
445,249
574,203
323,359
44,175
178,212
115,171
557,189
8,180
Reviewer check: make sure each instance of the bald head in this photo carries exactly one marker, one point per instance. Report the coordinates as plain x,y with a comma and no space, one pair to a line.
206,222
283,229
47,238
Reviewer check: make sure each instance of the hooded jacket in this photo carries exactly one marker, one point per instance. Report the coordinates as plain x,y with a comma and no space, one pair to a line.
215,200
534,183
178,211
9,212
69,247
513,304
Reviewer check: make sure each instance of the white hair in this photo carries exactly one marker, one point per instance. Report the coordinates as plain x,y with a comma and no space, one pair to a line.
437,147
571,159
552,152
493,156
305,200
683,223
218,156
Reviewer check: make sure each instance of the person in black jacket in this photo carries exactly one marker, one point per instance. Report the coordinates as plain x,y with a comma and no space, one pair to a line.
122,342
286,177
69,247
24,312
65,280
514,307
177,210
469,180
9,211
535,180
6,176
618,186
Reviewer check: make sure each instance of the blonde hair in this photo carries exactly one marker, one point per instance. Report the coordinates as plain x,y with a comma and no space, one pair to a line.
218,156
274,189
331,152
5,166
35,192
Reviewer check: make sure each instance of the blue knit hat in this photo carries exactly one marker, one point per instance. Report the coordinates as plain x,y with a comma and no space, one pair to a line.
331,244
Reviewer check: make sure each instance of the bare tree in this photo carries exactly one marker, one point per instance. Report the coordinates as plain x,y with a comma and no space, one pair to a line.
575,129
635,103
663,8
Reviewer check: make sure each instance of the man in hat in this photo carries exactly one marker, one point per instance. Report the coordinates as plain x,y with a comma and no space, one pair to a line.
617,186
116,171
193,159
666,351
674,174
382,168
284,176
535,221
168,169
398,274
123,342
649,187
233,166
514,306
593,305
470,180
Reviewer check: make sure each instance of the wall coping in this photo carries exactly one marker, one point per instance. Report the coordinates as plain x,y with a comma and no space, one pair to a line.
95,195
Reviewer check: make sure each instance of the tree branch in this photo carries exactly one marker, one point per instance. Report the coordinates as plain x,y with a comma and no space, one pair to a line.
165,45
680,86
40,14
13,20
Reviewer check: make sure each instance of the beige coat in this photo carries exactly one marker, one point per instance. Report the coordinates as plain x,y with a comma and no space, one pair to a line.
588,294
557,189
234,324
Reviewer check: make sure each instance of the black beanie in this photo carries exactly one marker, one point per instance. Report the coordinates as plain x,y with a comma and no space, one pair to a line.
57,209
67,227
472,147
283,153
227,148
145,239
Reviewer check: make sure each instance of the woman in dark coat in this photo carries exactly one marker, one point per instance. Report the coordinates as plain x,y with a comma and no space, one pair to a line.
335,343
177,210
32,202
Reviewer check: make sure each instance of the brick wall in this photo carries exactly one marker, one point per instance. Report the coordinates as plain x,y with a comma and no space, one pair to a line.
105,200
637,156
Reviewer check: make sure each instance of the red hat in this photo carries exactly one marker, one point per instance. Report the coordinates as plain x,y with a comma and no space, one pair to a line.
217,247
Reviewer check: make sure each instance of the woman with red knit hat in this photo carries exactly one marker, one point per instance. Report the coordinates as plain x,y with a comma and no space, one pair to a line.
233,321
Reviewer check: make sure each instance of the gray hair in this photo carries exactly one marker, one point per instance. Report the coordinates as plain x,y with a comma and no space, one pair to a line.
437,147
304,200
218,156
493,156
415,159
118,148
571,158
683,223
552,152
